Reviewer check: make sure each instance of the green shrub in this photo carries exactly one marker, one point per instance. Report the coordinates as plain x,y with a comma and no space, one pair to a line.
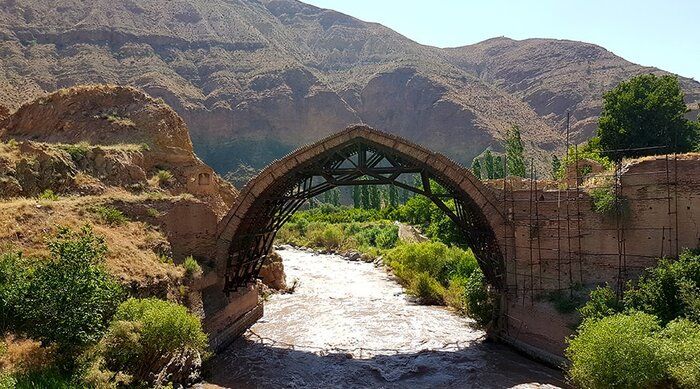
191,266
668,290
7,381
163,177
14,278
48,194
144,147
602,302
12,143
325,235
607,203
46,378
77,151
152,212
437,259
567,301
681,340
480,303
619,351
70,299
387,237
110,215
426,288
144,331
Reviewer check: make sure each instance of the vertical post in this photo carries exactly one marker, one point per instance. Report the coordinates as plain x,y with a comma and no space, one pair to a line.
537,224
568,215
530,233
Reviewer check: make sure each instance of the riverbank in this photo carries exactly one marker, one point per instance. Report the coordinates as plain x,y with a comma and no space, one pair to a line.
350,324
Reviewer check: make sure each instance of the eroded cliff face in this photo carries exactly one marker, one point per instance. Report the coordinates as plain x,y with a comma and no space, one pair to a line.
121,161
255,79
86,139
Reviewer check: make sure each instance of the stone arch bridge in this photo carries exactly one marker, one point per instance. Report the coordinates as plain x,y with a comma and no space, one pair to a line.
358,155
532,240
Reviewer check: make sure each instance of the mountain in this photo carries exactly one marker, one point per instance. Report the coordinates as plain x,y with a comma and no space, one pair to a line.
254,79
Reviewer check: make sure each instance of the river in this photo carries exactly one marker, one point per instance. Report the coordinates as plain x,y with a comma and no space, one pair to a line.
350,325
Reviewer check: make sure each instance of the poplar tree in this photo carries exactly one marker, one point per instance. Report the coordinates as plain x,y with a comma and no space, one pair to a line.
556,165
476,168
356,196
365,197
488,164
498,168
393,196
515,153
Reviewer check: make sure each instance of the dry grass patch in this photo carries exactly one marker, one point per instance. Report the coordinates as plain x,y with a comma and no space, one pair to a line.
133,246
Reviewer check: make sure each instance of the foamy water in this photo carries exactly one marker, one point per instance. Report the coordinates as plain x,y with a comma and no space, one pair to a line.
349,324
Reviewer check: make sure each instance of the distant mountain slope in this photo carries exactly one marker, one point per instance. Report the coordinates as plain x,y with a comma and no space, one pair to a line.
255,78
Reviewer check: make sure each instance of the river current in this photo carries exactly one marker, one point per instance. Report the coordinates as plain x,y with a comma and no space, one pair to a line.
350,325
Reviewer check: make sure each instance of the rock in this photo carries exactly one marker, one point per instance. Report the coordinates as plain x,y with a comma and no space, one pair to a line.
182,369
272,272
117,135
367,258
353,256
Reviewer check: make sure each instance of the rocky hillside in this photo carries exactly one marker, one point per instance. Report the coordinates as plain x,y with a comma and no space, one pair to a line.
255,78
119,160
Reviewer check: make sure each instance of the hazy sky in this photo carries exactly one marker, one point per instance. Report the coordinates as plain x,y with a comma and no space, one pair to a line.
661,33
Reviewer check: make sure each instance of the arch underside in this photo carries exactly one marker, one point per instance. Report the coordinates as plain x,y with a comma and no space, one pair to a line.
358,161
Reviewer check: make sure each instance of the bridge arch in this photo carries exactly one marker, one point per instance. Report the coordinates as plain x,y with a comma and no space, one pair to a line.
358,155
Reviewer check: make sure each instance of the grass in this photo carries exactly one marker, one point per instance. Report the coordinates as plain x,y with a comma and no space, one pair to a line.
76,151
192,267
49,195
152,212
110,215
163,177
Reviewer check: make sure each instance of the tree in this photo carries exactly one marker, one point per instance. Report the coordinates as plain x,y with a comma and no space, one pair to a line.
393,196
556,165
365,197
476,168
488,164
375,198
515,153
357,196
498,167
70,299
645,111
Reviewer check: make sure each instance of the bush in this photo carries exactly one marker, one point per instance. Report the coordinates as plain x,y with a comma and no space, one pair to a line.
325,235
387,237
7,381
47,378
14,277
480,303
163,177
77,151
48,194
602,302
682,349
191,266
438,260
669,290
146,330
69,300
110,215
426,288
619,351
607,203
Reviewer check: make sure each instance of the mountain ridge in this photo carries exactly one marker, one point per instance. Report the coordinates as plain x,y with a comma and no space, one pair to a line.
254,79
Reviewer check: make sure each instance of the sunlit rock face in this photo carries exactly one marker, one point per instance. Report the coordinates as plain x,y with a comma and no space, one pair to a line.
255,79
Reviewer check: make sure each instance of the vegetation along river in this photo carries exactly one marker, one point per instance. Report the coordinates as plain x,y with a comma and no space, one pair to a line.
349,324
